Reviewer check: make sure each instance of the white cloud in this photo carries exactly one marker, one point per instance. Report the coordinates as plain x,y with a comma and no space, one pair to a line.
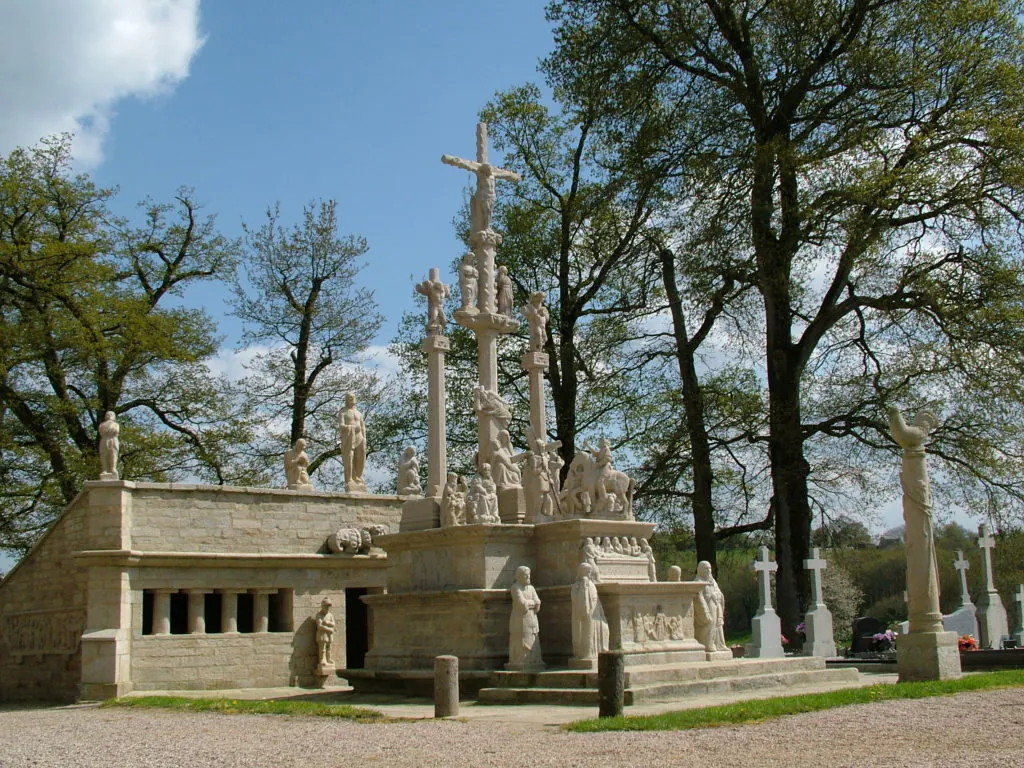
65,64
232,363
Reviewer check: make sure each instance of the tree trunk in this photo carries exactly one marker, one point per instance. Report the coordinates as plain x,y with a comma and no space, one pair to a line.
693,406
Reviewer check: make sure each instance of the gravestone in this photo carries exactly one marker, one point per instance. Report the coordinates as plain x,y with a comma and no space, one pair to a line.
963,620
864,630
992,621
766,634
818,620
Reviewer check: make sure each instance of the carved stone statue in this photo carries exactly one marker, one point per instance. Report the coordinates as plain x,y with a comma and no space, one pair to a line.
591,552
436,292
468,277
575,498
353,540
537,316
483,498
503,463
646,551
589,626
325,627
453,502
353,445
409,474
503,292
110,446
709,611
296,467
922,569
523,626
481,205
490,403
594,487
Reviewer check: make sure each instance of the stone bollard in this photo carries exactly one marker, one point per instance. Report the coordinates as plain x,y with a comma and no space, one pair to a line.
446,686
611,683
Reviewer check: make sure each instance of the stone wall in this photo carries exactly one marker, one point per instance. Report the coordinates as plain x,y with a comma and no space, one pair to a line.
42,616
211,662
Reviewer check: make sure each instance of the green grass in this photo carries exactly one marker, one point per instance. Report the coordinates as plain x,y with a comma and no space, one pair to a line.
759,710
250,707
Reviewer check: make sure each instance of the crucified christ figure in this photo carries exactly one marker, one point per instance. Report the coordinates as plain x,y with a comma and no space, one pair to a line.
481,205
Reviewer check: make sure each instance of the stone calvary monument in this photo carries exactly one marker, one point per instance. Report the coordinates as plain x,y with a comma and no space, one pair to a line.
156,586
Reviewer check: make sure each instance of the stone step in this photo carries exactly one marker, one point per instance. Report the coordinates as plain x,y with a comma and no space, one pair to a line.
637,676
781,680
669,690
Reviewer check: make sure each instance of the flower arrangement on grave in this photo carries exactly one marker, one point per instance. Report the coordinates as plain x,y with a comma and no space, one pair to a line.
884,641
967,643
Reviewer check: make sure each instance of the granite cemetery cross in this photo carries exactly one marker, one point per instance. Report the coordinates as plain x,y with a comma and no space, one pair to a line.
992,622
963,620
962,565
818,620
766,629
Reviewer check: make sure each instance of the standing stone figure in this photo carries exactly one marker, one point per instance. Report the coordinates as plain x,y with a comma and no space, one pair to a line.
353,445
409,473
296,467
590,554
537,316
110,446
589,626
325,627
922,567
436,292
652,566
468,276
709,613
523,626
503,292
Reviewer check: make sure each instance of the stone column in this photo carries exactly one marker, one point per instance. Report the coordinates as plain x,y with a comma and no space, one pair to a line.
261,609
229,610
535,363
992,619
446,686
197,610
437,445
162,611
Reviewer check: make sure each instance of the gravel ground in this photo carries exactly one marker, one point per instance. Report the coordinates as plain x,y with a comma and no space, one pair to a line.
969,729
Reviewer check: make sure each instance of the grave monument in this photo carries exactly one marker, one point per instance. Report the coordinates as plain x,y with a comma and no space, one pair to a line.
820,640
992,622
962,621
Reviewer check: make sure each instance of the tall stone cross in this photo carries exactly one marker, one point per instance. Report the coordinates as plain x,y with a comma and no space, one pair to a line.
484,320
987,544
1018,598
816,565
962,565
764,567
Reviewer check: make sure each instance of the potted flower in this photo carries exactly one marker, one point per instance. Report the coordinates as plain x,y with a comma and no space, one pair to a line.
884,641
967,643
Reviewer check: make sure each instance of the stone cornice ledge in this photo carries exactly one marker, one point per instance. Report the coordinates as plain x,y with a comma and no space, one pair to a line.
133,557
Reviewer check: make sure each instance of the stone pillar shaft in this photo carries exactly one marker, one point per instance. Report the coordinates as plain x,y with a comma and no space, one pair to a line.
162,611
261,609
437,444
197,611
229,610
535,363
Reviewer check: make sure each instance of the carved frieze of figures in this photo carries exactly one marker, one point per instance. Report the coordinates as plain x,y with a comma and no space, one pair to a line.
594,488
352,540
482,501
41,632
655,627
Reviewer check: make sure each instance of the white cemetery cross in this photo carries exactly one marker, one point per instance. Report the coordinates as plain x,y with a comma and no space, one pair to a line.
487,323
818,620
766,635
992,621
963,620
435,346
1018,598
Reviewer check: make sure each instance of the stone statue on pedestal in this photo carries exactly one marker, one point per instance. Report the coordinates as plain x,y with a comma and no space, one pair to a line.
436,292
503,291
537,316
110,446
709,611
589,626
325,628
353,445
409,474
523,625
296,467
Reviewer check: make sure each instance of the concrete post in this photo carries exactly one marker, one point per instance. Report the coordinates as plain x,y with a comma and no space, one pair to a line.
261,609
229,610
162,611
197,611
446,686
611,683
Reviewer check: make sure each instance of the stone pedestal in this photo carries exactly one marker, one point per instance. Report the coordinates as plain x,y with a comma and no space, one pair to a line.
420,515
326,669
559,547
766,636
992,621
818,630
928,656
300,487
512,506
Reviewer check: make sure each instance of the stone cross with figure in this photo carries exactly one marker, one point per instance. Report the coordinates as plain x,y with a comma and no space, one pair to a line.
481,207
962,565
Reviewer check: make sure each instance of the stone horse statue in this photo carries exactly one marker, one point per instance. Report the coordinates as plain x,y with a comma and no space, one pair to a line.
595,491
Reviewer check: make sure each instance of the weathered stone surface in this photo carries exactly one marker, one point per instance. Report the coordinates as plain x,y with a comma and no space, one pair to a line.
928,656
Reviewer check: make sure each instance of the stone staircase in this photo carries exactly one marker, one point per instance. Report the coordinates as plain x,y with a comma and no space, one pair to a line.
659,679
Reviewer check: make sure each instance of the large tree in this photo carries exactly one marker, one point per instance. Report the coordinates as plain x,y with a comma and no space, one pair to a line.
310,323
88,326
879,153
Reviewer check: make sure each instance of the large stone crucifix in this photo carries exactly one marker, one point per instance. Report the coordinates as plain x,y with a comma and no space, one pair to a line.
962,565
484,319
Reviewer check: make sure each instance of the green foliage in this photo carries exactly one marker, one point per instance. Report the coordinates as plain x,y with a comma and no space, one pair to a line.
760,710
250,707
89,325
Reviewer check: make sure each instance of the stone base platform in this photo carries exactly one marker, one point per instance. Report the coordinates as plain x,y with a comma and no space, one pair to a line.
663,681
